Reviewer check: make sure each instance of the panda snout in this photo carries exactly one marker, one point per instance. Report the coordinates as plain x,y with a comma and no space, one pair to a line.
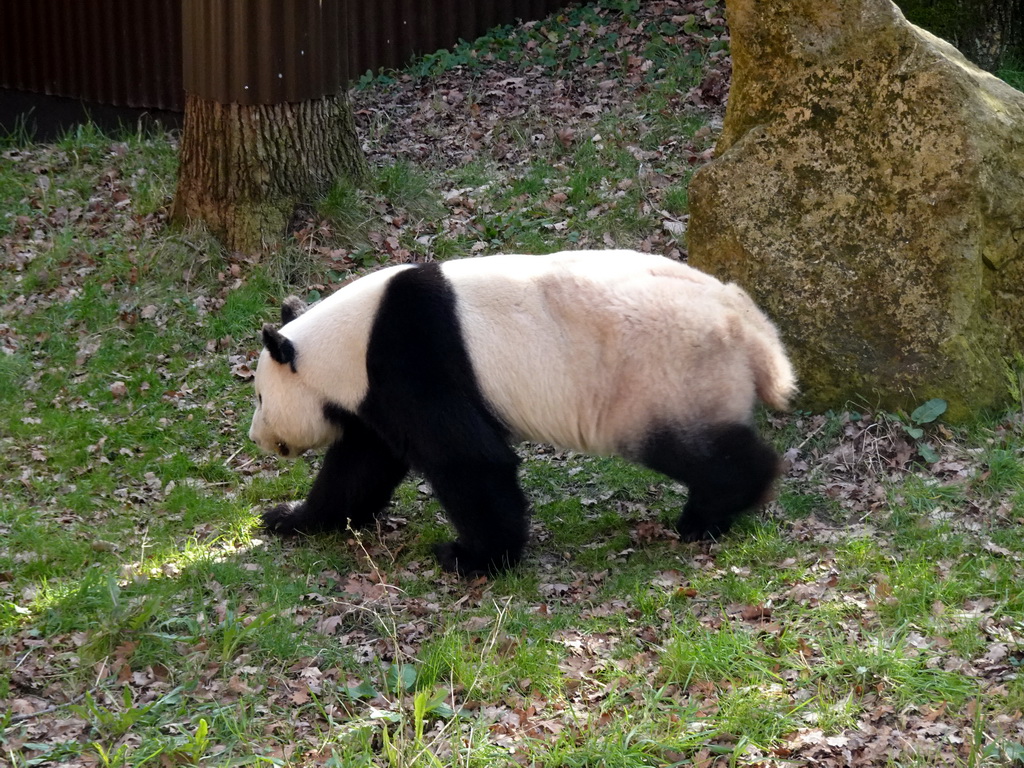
282,448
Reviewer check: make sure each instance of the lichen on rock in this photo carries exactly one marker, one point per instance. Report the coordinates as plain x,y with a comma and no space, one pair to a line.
868,190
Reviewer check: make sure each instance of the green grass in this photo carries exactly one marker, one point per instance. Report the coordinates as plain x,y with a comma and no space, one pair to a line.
139,598
1013,73
581,188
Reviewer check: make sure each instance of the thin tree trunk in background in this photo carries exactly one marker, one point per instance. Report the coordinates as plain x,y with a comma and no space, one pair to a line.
992,29
245,169
985,31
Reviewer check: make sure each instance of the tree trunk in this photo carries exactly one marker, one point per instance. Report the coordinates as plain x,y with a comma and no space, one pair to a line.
993,28
985,31
245,169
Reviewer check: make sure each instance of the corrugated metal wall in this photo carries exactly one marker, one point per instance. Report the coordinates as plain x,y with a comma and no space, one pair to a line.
122,52
264,51
130,52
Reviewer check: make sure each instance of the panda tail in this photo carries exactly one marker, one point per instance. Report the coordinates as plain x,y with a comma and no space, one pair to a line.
774,378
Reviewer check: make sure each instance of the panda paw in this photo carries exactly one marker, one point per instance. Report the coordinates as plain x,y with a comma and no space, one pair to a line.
455,558
286,518
699,530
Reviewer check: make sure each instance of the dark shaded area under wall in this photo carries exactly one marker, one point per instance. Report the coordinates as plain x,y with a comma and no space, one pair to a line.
45,118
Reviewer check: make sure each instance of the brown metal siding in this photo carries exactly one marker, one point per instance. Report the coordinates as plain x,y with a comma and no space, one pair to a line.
121,52
129,52
263,51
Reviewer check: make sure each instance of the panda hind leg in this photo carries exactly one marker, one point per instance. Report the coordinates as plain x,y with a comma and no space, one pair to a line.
728,470
489,511
356,481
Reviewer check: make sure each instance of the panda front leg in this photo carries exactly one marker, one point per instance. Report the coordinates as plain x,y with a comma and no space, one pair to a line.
357,479
728,469
488,509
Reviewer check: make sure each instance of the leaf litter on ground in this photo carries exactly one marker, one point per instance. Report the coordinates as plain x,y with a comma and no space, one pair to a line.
829,632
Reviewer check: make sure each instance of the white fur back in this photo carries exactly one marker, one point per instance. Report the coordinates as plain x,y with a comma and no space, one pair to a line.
589,350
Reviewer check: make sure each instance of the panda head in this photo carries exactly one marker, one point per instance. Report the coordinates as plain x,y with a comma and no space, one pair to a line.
290,416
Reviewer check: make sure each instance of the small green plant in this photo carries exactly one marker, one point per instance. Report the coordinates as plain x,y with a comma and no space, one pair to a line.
193,746
235,631
401,751
399,679
914,425
126,618
924,414
113,722
1013,370
114,759
1006,752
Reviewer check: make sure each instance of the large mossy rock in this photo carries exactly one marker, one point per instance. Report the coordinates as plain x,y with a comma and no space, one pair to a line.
868,190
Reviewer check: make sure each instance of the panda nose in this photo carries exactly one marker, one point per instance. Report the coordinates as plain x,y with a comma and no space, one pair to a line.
282,448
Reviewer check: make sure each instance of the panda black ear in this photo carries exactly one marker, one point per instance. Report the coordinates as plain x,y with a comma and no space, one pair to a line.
280,348
291,308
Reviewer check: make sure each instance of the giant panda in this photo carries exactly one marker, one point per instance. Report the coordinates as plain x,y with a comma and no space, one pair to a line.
438,367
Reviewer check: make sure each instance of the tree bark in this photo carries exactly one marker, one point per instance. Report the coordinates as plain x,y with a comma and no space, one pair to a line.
985,31
245,169
992,29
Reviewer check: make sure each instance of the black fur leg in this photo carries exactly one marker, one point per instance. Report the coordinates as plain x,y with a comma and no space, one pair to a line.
287,518
356,481
454,558
424,399
728,470
488,510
